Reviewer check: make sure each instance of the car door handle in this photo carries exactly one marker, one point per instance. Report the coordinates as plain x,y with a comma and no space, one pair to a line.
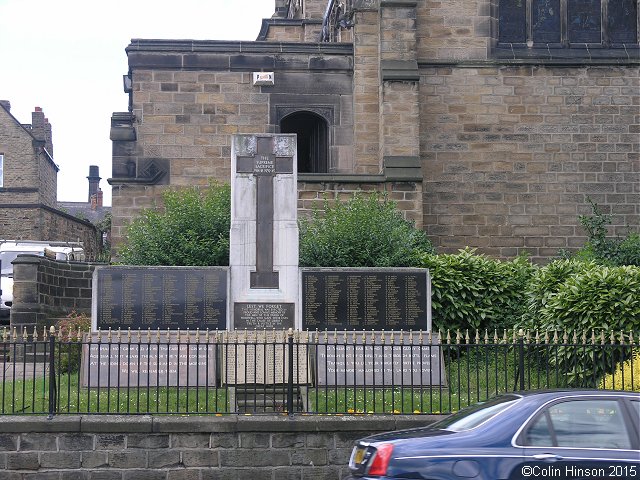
547,457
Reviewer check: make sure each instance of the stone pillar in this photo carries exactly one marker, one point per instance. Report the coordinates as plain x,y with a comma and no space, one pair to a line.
366,88
26,311
399,99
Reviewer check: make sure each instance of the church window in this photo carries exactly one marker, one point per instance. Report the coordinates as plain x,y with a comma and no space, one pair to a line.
312,138
568,23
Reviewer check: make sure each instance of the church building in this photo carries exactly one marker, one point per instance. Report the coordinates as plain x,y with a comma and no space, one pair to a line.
490,123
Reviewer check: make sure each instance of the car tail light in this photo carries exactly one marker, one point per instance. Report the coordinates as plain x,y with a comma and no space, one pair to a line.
381,459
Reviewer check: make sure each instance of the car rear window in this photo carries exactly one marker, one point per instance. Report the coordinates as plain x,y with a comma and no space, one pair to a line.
472,416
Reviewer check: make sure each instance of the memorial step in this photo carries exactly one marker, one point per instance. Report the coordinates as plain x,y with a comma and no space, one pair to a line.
261,399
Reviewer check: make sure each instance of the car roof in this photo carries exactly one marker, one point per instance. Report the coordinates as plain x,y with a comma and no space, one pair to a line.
551,393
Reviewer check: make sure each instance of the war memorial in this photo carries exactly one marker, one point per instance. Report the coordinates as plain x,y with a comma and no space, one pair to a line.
207,325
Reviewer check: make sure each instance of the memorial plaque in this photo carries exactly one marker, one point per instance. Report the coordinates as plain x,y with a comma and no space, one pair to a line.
512,21
365,299
584,21
546,21
622,20
259,316
357,359
260,357
157,297
155,359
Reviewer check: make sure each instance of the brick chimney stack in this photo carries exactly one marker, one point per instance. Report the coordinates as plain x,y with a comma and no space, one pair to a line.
94,181
96,200
41,129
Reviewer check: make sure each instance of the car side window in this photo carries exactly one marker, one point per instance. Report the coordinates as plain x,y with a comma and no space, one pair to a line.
538,433
589,424
636,405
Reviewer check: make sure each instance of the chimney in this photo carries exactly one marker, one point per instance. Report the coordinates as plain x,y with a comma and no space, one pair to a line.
48,137
37,124
94,201
99,198
94,180
6,104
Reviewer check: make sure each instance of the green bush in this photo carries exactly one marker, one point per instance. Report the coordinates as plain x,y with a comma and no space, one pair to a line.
366,231
471,291
595,299
192,229
629,250
604,250
544,284
68,342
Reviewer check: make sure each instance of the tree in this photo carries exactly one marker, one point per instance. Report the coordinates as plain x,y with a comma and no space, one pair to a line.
191,229
366,231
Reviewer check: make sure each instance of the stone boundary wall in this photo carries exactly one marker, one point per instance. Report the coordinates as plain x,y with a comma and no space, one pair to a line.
45,289
186,447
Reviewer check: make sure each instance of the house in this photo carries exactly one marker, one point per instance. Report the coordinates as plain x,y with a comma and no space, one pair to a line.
489,122
28,186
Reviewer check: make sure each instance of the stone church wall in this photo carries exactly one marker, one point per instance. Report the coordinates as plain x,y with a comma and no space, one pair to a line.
512,153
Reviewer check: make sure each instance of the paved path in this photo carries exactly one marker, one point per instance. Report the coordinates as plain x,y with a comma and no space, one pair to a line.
22,371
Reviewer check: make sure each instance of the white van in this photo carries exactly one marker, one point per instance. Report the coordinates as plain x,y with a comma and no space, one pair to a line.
10,249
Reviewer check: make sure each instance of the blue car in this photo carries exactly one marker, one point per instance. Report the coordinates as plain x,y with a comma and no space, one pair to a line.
552,434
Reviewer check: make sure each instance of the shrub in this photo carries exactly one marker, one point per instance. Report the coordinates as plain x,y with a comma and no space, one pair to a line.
597,298
607,251
476,292
625,377
544,284
68,346
193,229
366,231
629,250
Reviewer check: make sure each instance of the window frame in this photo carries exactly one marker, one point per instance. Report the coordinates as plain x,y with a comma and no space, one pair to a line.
1,170
565,43
543,411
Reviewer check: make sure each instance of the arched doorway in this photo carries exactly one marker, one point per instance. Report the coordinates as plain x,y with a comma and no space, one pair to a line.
313,140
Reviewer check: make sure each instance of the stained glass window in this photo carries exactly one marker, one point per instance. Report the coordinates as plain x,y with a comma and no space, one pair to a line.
568,23
513,21
583,21
545,17
622,21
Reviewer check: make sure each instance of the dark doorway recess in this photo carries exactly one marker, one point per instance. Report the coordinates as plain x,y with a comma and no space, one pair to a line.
313,148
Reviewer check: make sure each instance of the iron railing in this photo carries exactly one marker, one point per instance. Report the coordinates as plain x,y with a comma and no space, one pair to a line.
328,372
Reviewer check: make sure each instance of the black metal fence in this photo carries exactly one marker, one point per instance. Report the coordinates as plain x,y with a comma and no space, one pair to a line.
328,372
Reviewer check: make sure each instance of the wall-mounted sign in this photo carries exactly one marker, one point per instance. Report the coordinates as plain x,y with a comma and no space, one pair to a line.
263,78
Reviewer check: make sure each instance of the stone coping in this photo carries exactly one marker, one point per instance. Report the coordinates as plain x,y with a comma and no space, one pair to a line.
228,423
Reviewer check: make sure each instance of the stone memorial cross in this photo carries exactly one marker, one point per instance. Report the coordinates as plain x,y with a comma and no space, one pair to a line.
263,250
264,165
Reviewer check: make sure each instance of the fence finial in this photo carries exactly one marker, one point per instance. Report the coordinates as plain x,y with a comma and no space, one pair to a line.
52,331
4,334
